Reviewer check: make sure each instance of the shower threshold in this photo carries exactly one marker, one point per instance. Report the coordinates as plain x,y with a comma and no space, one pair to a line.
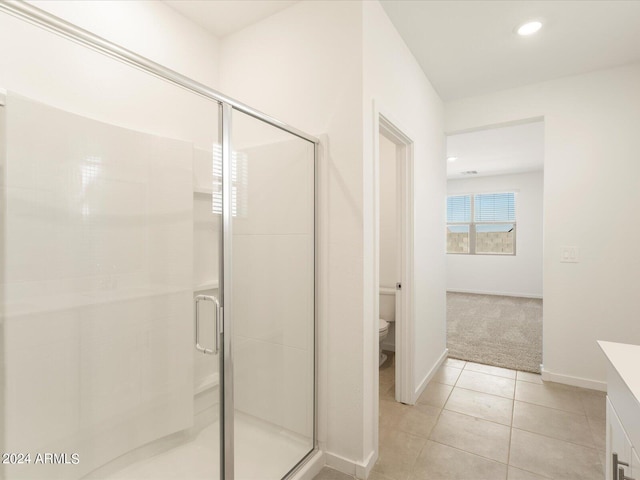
272,450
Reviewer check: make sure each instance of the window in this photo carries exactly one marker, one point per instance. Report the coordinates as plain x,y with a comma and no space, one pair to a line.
482,224
239,181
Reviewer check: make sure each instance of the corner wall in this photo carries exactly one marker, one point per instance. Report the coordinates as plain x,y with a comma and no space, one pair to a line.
518,275
302,65
323,76
591,189
395,85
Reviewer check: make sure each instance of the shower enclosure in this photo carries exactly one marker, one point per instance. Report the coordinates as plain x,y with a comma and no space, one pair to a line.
157,271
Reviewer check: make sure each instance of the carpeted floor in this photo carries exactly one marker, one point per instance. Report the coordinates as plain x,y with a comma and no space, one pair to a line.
494,330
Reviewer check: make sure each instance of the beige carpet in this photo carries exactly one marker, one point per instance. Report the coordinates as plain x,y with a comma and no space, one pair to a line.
494,330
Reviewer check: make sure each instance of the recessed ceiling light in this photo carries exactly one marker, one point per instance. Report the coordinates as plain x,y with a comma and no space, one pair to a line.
529,28
451,159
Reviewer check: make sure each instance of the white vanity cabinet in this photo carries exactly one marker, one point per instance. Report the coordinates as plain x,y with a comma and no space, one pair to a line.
623,411
618,443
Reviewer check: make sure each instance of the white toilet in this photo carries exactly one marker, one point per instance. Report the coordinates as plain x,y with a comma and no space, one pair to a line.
384,330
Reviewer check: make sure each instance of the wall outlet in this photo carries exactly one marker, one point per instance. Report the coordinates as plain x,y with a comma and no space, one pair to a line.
569,254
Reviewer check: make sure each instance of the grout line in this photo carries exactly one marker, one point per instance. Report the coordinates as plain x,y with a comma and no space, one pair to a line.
584,414
470,453
513,412
434,425
528,471
557,439
485,393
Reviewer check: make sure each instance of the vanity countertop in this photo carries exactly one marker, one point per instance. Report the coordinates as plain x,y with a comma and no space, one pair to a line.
625,359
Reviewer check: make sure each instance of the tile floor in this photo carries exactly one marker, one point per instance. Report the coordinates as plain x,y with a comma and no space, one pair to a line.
476,422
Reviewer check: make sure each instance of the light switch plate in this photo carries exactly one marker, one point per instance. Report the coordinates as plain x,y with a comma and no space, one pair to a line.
569,255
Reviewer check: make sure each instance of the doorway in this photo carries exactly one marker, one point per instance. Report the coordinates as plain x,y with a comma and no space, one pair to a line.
494,245
394,258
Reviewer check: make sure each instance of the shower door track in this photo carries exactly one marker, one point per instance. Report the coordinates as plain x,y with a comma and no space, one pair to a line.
29,13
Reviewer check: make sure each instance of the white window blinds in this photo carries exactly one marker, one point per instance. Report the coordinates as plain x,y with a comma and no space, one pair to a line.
495,207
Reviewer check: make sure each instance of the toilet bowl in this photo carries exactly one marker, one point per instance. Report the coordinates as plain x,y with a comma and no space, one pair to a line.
382,334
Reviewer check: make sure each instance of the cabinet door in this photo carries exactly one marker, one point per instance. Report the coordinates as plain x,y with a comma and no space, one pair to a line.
617,442
635,464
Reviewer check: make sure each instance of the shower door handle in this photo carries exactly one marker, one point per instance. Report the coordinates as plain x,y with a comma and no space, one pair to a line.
199,347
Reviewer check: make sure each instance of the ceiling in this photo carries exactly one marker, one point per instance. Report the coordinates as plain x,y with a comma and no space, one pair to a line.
469,48
497,151
223,17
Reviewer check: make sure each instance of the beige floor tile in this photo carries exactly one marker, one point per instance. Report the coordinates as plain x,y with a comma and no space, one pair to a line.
390,413
550,395
499,371
481,405
603,457
385,383
595,404
439,462
427,409
598,432
517,474
397,453
330,474
529,377
435,394
483,382
568,426
378,476
554,458
388,392
454,362
447,375
418,420
473,435
387,372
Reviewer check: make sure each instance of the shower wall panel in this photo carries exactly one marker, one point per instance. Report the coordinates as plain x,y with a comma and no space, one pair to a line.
273,275
96,288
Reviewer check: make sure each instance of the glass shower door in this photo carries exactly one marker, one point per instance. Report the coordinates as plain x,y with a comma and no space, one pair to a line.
110,225
269,297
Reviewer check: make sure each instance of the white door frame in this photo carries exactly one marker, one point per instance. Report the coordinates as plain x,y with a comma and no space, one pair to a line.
405,318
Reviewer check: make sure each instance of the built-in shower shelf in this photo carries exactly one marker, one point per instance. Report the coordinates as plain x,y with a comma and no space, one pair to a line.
202,191
205,286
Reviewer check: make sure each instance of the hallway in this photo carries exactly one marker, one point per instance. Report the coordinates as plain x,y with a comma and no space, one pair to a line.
477,422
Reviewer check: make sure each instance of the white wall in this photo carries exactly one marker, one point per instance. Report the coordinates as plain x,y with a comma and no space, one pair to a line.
519,275
302,66
401,91
591,193
151,29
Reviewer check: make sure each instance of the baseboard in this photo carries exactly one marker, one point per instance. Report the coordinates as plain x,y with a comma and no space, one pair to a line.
501,294
310,469
340,463
425,381
548,376
350,467
363,470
